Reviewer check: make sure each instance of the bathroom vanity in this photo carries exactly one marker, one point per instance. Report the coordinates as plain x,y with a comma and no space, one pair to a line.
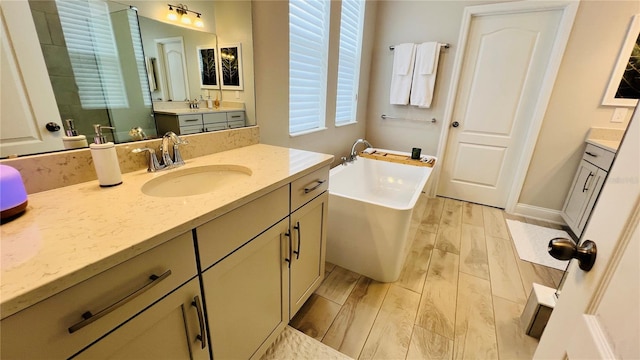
188,121
95,273
587,183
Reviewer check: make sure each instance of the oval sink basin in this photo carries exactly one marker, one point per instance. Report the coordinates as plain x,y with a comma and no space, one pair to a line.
195,181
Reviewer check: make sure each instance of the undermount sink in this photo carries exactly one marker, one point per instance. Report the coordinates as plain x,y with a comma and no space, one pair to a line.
195,181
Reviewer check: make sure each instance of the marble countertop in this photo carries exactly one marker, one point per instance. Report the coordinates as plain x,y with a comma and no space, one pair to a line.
72,233
611,145
195,111
606,138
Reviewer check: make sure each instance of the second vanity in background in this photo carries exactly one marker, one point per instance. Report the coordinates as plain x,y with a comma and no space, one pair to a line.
193,121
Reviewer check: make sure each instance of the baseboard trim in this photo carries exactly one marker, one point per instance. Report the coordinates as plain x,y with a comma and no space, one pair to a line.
539,213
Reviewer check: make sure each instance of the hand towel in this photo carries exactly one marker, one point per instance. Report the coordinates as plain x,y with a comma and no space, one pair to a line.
402,75
424,78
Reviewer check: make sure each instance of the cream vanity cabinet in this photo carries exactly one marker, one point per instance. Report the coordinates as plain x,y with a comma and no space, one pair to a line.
586,186
260,262
137,309
197,122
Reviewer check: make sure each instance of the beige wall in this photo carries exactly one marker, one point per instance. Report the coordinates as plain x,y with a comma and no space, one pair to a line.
598,32
271,34
411,22
596,38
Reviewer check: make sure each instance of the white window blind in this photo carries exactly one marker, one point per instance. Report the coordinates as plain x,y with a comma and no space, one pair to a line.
92,50
139,54
351,24
308,53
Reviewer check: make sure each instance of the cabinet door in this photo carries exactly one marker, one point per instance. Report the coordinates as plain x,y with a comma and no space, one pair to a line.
308,225
244,295
170,329
594,188
579,195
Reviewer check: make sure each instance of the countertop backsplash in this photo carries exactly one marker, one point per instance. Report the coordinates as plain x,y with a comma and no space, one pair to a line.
54,170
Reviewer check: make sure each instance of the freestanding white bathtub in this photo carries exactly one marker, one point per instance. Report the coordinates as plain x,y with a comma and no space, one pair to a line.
374,211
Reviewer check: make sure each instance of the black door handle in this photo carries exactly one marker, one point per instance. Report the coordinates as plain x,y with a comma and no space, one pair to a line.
455,124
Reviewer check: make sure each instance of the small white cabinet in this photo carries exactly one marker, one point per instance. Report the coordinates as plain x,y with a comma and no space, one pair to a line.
586,187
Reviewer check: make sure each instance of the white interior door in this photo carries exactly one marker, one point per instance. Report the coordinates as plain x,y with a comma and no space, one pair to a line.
506,57
597,315
175,69
27,102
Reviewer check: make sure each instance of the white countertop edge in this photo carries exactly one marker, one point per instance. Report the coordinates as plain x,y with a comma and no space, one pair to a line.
609,145
19,298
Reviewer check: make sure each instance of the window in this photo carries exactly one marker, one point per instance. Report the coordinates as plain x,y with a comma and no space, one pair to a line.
92,50
132,17
308,53
351,24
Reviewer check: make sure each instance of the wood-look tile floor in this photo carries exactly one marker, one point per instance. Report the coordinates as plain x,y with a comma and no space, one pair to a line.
460,294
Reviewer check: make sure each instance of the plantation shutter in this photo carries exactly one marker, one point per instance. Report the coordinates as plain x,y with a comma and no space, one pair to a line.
308,53
139,54
92,50
351,24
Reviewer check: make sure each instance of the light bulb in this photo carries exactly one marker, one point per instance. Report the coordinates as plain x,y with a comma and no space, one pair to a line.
198,23
185,20
172,16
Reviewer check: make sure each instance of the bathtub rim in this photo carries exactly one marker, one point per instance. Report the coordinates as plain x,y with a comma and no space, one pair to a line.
412,203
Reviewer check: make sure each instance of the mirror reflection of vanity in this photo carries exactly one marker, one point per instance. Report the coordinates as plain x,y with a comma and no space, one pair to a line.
143,101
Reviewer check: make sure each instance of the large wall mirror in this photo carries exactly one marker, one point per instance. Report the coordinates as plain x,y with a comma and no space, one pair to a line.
110,65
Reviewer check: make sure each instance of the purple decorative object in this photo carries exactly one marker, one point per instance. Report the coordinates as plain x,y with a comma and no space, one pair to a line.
13,196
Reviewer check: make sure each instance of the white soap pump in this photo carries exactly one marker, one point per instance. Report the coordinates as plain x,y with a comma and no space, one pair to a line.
105,158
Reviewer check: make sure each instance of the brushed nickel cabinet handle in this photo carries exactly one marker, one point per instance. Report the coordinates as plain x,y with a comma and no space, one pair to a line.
89,317
310,189
297,227
198,305
288,260
584,187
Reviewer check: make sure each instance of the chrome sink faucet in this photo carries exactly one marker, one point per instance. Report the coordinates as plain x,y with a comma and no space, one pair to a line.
354,154
164,148
167,162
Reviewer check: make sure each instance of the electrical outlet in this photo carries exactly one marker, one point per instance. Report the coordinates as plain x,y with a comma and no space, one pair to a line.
237,94
619,114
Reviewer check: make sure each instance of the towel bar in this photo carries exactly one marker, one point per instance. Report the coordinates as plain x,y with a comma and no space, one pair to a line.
385,117
444,45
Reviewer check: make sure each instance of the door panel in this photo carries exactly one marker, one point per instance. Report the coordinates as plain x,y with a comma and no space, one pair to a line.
501,75
307,263
478,164
246,288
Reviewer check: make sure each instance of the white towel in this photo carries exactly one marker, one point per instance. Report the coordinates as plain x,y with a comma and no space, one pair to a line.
401,77
424,78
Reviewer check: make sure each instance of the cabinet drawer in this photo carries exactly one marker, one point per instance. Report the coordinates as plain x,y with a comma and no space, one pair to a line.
221,236
308,187
236,124
195,119
42,330
598,156
215,126
193,129
235,116
214,118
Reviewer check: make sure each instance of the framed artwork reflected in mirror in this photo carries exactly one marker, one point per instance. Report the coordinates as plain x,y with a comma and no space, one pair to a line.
624,86
208,67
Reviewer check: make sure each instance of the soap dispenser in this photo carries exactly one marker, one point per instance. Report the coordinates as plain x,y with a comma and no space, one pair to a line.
73,140
105,158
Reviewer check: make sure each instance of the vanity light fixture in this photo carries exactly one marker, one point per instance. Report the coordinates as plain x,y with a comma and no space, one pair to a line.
181,12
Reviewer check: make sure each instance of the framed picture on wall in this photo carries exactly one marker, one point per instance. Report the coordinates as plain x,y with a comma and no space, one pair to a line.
231,67
624,85
208,67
